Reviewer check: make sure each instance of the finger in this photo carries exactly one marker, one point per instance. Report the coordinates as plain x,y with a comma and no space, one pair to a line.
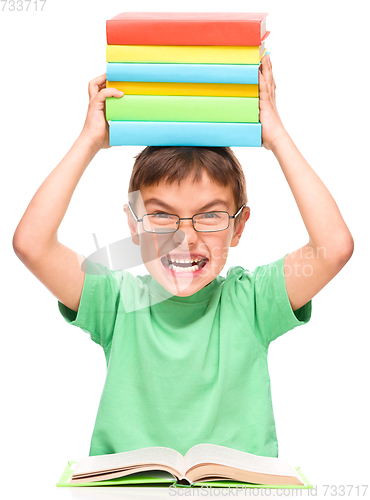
103,86
264,90
267,73
274,89
110,92
96,84
273,84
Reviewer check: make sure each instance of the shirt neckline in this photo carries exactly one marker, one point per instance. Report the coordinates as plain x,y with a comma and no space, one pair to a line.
202,295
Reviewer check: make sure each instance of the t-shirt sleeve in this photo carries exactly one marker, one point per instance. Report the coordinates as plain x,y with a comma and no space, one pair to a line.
99,303
263,296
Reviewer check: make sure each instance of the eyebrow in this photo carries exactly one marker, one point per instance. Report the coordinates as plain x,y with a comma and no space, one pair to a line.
156,201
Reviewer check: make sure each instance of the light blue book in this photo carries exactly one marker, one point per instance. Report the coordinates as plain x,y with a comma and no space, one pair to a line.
195,73
141,133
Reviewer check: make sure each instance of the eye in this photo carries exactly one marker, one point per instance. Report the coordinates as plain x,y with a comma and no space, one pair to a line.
160,215
210,215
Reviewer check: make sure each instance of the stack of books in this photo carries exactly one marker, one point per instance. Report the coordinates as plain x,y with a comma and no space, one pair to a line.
189,79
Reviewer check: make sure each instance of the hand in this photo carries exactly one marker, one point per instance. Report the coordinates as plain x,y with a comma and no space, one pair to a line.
96,127
272,127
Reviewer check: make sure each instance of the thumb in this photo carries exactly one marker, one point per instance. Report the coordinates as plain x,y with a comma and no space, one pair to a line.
109,92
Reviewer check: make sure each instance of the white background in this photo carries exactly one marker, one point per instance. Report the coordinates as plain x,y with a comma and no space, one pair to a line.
52,374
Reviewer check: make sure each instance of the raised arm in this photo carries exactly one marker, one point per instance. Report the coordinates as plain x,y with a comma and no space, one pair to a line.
35,240
309,268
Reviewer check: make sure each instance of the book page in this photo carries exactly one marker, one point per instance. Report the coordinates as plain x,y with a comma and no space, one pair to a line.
152,455
212,453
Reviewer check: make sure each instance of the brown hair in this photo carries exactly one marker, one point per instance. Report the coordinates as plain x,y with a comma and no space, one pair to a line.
174,163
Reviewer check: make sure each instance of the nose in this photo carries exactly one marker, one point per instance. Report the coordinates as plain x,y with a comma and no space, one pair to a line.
187,231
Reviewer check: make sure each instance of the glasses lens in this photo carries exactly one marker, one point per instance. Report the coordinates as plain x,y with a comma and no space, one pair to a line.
211,221
160,223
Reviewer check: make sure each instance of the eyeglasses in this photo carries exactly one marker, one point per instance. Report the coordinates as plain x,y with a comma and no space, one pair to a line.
207,222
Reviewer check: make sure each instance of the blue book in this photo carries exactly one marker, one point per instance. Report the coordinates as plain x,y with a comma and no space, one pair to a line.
141,133
195,73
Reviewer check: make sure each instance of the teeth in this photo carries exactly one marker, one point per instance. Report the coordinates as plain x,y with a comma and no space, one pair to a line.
184,269
185,261
180,269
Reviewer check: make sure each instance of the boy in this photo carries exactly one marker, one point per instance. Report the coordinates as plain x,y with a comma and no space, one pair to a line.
186,349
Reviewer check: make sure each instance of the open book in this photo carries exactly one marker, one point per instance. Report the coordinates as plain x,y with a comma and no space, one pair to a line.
202,462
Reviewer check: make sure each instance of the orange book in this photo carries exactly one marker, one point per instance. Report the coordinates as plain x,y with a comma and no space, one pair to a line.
186,88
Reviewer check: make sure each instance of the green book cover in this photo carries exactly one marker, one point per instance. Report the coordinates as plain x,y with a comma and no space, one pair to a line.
163,478
183,109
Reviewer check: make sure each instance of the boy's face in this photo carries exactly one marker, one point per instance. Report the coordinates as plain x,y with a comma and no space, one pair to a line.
186,200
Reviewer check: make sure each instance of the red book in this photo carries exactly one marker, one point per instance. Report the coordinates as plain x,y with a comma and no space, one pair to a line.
187,28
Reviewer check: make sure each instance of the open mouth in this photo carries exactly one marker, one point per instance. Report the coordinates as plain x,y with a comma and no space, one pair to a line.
184,265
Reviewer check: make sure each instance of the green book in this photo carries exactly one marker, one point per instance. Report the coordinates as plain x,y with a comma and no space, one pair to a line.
183,109
203,465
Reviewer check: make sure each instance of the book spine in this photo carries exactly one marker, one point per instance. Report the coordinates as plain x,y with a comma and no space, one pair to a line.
195,89
137,133
197,32
195,73
183,108
183,54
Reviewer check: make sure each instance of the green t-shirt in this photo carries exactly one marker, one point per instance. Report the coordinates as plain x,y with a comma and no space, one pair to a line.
186,370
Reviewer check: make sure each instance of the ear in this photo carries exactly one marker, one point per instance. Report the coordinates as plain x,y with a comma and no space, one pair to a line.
239,230
132,224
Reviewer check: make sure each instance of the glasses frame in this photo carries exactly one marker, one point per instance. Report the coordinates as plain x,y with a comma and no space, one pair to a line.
186,218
